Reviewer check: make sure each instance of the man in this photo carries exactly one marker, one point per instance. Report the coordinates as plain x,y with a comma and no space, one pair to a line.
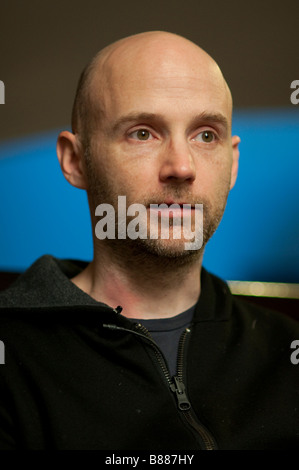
142,348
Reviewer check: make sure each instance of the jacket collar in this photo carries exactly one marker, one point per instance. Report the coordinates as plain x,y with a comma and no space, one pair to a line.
46,284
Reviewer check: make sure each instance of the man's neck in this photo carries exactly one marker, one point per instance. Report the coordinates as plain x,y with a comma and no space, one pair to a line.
143,289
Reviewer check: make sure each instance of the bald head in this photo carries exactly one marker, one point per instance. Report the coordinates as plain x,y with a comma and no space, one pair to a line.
156,54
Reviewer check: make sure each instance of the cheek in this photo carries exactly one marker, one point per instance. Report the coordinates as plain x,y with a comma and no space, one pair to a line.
119,172
213,181
136,171
213,170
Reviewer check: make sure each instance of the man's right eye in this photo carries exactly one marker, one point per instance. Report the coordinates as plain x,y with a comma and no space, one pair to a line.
141,134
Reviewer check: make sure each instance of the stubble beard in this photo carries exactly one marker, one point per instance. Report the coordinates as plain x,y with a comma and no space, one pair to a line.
167,254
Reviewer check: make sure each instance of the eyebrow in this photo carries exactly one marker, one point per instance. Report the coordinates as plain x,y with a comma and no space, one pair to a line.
136,117
216,118
199,119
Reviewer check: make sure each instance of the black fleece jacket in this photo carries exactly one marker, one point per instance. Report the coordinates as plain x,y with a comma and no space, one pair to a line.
79,375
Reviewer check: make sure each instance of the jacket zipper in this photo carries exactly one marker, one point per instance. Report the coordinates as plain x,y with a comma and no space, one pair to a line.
175,383
207,438
177,386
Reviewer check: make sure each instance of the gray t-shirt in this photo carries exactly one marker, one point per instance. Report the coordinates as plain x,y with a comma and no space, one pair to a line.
166,332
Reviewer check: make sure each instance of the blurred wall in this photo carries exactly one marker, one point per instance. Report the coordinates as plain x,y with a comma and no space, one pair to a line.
43,47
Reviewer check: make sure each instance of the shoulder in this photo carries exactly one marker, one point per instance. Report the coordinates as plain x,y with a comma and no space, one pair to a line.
243,313
262,320
42,283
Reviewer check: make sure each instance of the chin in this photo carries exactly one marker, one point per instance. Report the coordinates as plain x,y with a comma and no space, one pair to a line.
171,250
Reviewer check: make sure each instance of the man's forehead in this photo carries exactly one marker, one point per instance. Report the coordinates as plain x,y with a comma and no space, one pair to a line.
154,91
175,95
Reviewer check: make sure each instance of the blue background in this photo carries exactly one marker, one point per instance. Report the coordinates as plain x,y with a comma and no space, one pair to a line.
258,238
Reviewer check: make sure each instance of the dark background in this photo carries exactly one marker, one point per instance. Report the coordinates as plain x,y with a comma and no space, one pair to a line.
45,44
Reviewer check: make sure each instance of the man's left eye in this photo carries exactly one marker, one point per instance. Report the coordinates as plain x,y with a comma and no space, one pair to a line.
141,134
205,136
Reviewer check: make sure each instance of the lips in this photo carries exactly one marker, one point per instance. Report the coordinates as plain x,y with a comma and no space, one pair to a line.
172,209
170,203
181,204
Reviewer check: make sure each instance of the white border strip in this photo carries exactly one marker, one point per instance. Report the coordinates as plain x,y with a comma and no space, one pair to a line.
264,289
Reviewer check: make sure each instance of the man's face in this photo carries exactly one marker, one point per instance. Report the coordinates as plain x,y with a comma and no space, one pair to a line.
165,138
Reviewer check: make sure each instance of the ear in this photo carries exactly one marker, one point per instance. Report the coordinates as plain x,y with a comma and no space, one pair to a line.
70,156
235,165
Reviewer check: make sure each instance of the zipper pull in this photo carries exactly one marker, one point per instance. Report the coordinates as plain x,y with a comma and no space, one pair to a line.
178,388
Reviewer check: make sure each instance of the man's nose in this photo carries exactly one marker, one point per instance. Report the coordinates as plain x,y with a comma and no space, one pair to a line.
177,163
